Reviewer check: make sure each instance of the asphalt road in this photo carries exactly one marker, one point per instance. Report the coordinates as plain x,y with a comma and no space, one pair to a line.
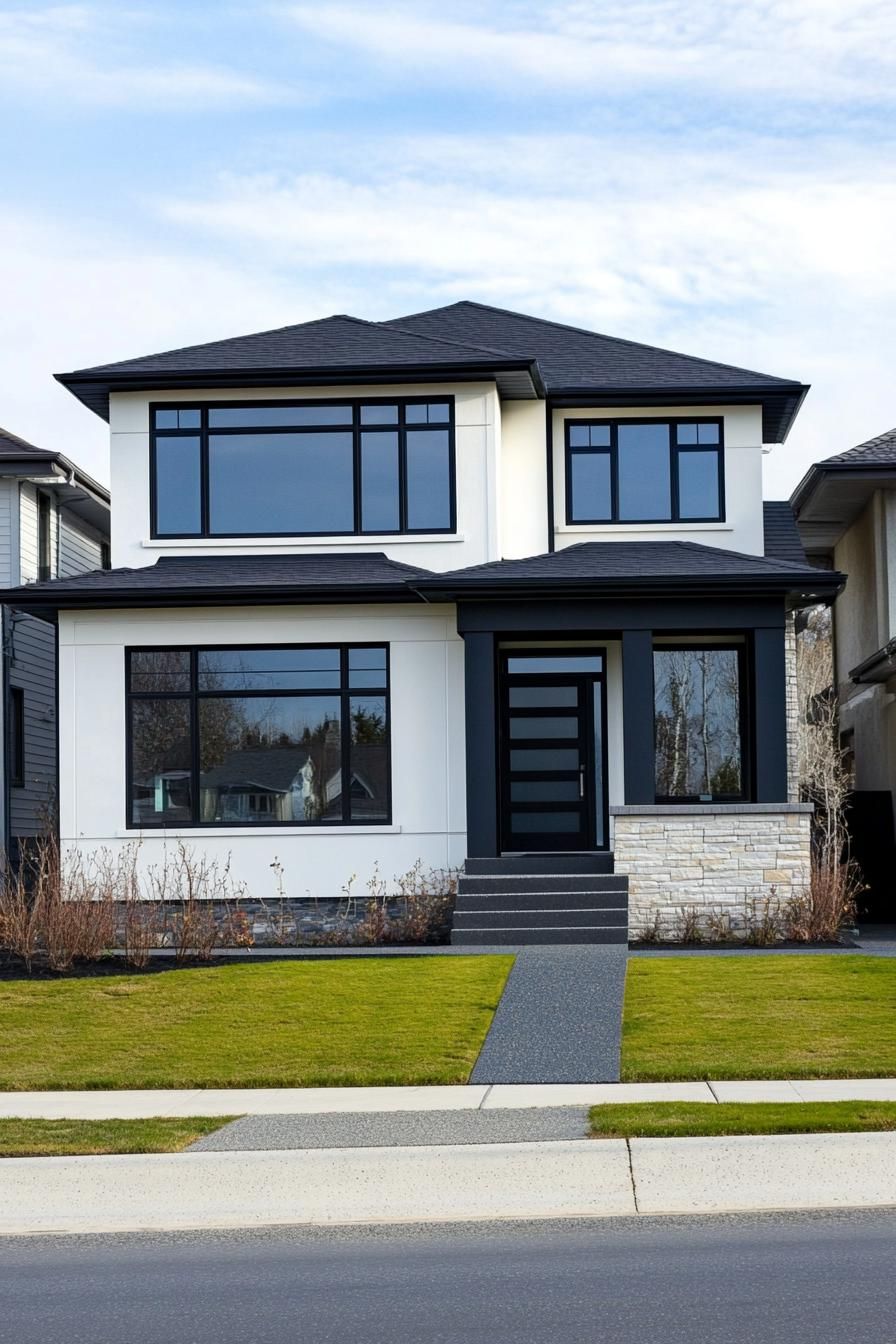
744,1280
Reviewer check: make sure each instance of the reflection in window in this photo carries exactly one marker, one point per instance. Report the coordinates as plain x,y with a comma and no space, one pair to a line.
699,751
634,471
258,736
303,469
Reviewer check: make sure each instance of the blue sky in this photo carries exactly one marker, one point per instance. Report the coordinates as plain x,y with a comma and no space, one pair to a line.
716,177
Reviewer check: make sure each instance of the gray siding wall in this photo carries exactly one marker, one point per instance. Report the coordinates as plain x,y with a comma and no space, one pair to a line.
33,668
80,547
75,549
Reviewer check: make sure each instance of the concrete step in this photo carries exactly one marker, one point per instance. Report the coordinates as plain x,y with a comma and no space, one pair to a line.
537,937
542,900
520,864
540,919
493,883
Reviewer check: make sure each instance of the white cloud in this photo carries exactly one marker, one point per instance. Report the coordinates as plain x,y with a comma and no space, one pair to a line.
80,56
827,49
761,262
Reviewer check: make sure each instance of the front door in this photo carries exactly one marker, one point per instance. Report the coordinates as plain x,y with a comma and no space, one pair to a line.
552,756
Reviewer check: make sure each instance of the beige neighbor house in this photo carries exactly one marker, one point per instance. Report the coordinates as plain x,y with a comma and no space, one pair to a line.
846,513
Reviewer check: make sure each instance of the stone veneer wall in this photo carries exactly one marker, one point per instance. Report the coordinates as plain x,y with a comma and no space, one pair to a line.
709,857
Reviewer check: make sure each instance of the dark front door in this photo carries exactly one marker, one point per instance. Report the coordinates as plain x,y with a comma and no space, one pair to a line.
552,758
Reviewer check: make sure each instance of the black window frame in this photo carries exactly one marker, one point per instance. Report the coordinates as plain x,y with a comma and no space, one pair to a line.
745,717
195,695
356,428
45,565
16,737
676,449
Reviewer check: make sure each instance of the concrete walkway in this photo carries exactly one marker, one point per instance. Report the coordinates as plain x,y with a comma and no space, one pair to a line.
323,1187
123,1105
559,1019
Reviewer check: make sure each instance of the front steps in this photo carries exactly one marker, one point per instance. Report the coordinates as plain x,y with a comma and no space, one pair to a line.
540,899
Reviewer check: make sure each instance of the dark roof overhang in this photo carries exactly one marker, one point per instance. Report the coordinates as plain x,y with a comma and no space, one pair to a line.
831,496
516,379
779,404
799,590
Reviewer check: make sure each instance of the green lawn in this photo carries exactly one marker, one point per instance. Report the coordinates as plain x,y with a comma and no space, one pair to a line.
812,1016
276,1024
677,1119
78,1138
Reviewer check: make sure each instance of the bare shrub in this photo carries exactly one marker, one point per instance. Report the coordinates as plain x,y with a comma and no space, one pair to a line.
825,781
720,927
653,930
186,885
689,925
763,921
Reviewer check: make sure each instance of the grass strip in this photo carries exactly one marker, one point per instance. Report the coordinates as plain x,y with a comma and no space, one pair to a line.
77,1138
776,1016
364,1022
683,1119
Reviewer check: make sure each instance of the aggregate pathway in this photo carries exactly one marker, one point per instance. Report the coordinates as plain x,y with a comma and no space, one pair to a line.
408,1129
559,1019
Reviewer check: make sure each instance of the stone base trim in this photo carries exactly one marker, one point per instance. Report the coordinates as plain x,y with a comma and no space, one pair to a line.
710,859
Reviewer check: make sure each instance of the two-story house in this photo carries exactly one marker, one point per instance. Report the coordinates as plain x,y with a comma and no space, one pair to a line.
467,587
846,512
54,523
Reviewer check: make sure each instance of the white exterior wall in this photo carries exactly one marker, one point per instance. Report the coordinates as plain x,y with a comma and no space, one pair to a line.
28,533
742,529
524,488
80,546
477,433
9,568
427,742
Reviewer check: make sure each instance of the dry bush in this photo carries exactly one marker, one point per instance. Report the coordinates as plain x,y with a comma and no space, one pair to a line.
689,925
186,886
825,781
763,921
720,927
653,930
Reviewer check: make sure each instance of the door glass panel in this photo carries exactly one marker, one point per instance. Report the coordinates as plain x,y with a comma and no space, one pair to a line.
526,663
544,791
551,726
599,835
549,697
537,758
546,821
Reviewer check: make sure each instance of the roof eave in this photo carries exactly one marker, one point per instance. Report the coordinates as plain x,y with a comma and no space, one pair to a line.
93,387
818,586
42,601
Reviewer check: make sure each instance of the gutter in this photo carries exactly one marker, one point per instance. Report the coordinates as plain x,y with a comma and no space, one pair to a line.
882,663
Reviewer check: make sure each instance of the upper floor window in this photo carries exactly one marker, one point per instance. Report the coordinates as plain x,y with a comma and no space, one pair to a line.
644,471
303,468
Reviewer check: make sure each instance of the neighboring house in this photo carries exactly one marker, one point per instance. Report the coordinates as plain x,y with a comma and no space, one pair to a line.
466,587
54,523
846,512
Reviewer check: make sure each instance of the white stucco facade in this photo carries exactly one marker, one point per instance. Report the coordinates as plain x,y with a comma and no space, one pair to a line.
427,741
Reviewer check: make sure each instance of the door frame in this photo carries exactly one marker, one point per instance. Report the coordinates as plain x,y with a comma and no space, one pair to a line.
586,711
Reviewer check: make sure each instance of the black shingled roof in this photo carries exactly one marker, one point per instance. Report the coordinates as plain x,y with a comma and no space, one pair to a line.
184,580
782,538
602,568
15,449
877,452
528,356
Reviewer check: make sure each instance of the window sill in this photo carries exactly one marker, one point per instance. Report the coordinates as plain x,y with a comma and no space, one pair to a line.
299,543
624,528
178,832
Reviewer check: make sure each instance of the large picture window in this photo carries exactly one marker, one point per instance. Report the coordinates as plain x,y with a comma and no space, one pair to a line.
644,471
699,721
258,736
303,469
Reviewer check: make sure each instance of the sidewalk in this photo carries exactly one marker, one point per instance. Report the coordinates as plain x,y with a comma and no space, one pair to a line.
326,1187
124,1105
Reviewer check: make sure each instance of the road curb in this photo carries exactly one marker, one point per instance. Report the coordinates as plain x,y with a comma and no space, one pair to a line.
328,1187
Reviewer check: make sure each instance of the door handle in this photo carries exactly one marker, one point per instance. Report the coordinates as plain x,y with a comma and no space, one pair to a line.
581,781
